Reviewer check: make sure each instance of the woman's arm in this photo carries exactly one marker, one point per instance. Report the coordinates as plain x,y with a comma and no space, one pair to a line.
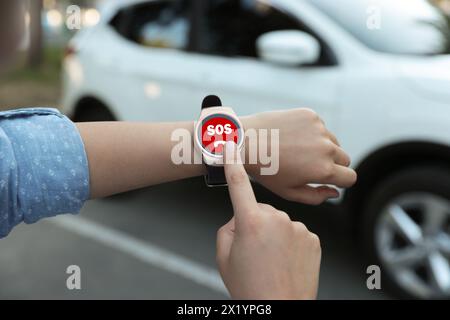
49,165
123,156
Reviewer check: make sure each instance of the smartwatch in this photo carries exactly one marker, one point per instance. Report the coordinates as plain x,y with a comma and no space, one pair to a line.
217,125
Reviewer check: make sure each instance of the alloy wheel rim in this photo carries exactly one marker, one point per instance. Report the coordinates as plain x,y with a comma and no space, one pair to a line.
412,238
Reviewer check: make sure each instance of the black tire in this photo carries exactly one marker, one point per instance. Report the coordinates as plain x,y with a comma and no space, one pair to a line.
429,179
92,111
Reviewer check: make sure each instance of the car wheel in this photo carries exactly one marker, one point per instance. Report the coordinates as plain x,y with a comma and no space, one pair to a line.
92,111
407,232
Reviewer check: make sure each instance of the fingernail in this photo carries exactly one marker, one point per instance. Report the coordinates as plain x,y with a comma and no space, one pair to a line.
336,195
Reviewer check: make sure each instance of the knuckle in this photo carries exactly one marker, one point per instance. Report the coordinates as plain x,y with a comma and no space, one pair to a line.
252,224
253,214
329,148
266,207
327,171
347,160
283,216
301,228
221,231
310,113
315,240
333,137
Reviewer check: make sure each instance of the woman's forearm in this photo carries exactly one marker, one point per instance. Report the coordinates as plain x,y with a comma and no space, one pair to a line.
124,156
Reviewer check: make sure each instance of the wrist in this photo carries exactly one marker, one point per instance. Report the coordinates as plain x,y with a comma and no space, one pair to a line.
248,122
191,168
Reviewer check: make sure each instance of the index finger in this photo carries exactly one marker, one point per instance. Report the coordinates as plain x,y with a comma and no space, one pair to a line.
239,186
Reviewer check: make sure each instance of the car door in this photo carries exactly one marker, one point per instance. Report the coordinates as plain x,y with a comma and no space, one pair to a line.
152,61
231,68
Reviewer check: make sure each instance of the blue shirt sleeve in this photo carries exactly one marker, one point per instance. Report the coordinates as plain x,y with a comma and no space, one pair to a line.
43,167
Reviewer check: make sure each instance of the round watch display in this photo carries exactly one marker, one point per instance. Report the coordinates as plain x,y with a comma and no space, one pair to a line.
215,130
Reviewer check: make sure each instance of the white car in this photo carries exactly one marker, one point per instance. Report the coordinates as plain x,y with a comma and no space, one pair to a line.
377,72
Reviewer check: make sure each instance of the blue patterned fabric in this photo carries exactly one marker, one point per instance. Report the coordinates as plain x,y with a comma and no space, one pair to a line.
43,167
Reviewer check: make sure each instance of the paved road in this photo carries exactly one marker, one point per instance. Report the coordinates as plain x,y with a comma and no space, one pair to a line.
157,243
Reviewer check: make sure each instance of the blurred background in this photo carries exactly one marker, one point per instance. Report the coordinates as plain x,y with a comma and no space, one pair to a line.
36,72
377,72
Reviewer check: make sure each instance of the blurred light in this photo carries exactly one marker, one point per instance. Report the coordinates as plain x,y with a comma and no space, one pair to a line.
91,17
25,42
74,70
54,18
152,90
27,19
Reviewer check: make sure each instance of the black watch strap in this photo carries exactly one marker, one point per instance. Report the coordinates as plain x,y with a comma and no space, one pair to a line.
215,176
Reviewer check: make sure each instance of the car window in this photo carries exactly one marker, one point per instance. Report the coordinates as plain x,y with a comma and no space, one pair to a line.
161,24
231,27
414,27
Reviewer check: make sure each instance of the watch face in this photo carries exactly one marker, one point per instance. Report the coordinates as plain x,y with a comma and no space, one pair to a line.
215,130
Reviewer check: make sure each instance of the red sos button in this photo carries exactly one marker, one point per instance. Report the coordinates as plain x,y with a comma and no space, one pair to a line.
216,130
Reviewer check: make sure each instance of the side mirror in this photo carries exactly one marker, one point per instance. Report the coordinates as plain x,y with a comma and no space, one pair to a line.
288,47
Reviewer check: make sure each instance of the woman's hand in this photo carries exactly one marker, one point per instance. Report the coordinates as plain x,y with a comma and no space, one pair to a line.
308,154
261,253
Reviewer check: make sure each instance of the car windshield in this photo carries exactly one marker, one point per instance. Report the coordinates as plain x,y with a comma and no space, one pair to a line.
393,26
